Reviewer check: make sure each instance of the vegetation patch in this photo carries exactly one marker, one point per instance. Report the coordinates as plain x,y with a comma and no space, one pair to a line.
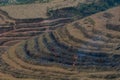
16,2
82,9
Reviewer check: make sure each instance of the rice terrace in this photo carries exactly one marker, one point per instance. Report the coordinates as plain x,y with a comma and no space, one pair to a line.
59,39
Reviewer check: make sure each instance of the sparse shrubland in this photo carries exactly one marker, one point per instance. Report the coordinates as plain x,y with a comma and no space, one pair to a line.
82,10
18,2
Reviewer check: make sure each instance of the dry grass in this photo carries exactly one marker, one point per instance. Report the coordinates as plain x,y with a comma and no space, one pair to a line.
38,10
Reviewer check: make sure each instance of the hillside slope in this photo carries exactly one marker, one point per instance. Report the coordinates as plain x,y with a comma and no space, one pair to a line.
87,49
38,10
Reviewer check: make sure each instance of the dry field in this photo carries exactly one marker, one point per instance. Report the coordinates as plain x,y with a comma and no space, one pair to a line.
38,10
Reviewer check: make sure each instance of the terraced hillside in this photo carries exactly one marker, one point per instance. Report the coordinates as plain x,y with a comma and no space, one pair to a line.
14,30
87,49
